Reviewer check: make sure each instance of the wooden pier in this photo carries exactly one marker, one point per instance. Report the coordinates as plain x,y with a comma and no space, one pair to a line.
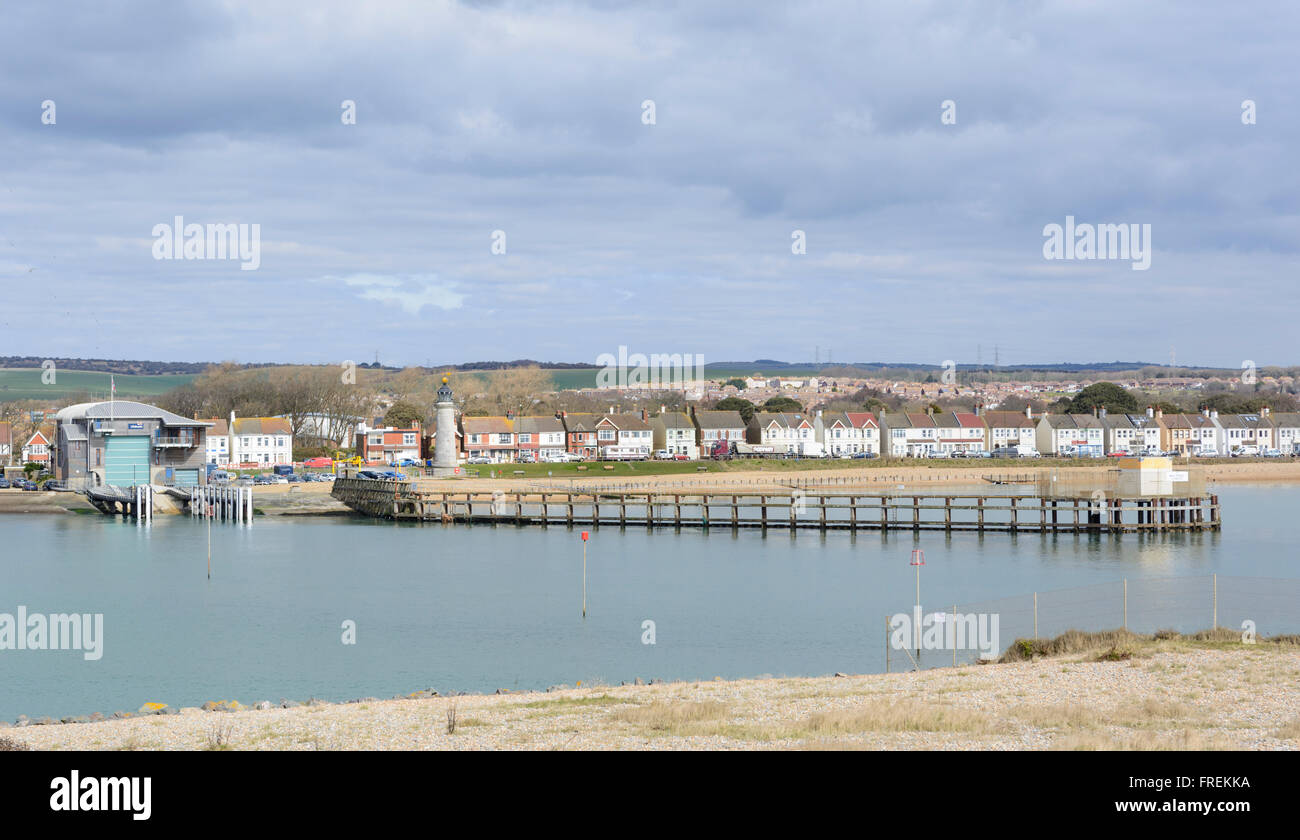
839,510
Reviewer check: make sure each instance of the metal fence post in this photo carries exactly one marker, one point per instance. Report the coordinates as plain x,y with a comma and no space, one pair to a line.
954,635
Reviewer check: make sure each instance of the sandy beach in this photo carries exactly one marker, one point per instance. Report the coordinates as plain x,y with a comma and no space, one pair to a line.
1169,695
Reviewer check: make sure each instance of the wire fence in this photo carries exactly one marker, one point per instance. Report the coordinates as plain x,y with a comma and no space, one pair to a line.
1254,606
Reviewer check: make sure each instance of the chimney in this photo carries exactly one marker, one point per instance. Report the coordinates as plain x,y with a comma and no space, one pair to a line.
1160,413
1205,411
1102,413
1264,411
645,416
1214,415
1151,411
1029,412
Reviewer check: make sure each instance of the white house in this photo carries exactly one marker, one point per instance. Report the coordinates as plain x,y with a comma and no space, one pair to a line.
850,433
911,435
1246,430
959,431
793,434
264,441
676,433
1131,434
1006,429
717,428
1286,432
1070,435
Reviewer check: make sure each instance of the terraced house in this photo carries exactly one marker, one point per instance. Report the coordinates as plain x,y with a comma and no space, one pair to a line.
959,431
791,434
718,429
624,435
1070,435
255,441
489,437
1246,430
1005,429
1131,434
1286,432
539,437
388,445
675,433
851,433
580,434
908,434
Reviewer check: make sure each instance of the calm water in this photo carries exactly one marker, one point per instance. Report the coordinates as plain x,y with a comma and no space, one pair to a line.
480,608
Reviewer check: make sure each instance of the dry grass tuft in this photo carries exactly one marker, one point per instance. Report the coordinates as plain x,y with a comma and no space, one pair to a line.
898,716
674,718
1185,739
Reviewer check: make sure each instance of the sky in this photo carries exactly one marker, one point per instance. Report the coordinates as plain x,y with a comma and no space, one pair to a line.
527,128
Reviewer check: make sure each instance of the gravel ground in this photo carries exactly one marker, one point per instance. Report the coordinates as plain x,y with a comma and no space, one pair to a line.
1164,698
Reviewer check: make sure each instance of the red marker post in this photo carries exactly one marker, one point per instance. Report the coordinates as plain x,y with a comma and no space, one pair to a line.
584,574
918,560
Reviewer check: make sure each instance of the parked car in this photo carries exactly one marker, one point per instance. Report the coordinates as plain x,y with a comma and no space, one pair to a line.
4,483
29,485
1272,453
479,459
318,462
264,479
663,455
282,469
863,455
407,462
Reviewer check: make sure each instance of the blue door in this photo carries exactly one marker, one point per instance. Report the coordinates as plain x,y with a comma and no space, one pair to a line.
126,461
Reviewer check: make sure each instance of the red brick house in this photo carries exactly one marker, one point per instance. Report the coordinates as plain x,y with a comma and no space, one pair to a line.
389,445
490,437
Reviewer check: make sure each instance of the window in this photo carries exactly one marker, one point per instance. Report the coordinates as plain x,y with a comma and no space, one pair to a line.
503,439
606,434
408,439
525,438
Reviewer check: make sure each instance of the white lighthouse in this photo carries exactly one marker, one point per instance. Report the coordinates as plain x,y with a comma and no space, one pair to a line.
444,441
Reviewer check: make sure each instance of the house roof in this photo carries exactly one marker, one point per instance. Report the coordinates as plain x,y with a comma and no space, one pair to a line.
123,410
488,425
862,419
957,420
1287,419
1007,420
781,418
675,420
6,433
625,422
538,424
719,420
580,422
